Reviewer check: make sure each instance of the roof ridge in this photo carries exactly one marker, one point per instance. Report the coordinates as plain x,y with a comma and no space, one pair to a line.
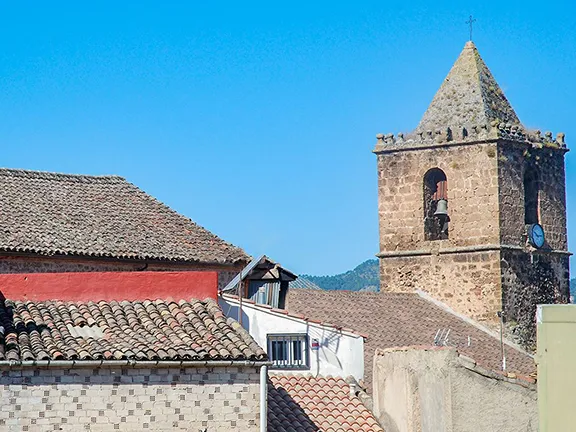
165,206
51,175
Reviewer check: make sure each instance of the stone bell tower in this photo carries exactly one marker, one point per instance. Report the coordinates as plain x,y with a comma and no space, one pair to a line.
463,199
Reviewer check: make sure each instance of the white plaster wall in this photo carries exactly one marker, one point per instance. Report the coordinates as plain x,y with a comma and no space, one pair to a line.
340,354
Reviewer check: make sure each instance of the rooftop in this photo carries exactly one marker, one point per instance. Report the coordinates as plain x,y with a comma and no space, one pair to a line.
394,319
306,403
469,96
159,330
99,216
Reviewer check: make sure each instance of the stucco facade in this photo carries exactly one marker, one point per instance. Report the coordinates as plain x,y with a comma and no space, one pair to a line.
438,390
340,353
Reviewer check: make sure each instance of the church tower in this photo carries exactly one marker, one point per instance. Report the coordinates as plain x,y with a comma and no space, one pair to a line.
472,205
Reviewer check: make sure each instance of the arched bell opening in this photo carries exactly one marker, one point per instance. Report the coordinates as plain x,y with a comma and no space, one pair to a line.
435,205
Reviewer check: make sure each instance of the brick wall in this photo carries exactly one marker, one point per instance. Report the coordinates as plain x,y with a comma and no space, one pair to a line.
191,399
32,264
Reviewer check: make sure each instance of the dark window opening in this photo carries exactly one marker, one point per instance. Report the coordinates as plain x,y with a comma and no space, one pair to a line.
435,205
531,195
288,351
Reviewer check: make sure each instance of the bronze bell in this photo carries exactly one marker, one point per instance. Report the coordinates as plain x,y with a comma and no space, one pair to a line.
441,208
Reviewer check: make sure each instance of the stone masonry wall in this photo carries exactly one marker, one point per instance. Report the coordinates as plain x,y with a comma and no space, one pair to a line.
31,264
472,176
469,283
196,399
530,280
513,159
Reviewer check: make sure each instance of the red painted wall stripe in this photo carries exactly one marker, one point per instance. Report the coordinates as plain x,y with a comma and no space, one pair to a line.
96,286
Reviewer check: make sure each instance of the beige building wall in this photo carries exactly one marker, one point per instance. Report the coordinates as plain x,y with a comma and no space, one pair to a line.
438,390
132,399
556,359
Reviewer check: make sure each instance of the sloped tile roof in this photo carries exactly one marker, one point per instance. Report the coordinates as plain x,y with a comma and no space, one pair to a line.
394,320
469,96
302,282
132,330
101,216
298,403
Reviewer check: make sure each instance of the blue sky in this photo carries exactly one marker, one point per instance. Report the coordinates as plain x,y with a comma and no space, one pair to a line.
257,120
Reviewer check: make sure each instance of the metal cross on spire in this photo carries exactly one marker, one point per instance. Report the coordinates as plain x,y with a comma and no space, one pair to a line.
470,22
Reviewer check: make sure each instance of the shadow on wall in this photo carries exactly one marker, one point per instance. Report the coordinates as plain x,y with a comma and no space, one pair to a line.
231,311
285,414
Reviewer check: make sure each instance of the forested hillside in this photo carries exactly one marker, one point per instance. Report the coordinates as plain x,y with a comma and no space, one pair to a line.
363,278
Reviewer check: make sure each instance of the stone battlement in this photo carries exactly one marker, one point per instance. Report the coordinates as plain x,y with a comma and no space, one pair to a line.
496,130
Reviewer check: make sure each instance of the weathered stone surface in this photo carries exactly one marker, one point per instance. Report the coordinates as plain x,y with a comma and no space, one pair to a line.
469,96
486,265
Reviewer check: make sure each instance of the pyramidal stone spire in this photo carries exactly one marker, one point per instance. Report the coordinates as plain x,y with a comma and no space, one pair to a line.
468,97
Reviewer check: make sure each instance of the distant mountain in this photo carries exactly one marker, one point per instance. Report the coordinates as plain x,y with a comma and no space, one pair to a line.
365,277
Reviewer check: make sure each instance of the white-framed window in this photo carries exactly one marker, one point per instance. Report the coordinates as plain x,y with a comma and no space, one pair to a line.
288,351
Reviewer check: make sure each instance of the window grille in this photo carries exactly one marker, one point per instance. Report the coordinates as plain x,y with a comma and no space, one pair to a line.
288,351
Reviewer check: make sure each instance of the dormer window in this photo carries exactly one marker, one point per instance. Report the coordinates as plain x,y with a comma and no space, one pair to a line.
435,205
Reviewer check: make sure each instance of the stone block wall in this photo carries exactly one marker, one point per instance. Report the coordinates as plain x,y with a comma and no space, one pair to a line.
132,399
513,160
451,270
530,280
468,282
485,265
472,177
38,264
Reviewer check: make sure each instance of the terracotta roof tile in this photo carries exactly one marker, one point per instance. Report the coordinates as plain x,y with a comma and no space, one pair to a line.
102,216
394,320
307,403
133,330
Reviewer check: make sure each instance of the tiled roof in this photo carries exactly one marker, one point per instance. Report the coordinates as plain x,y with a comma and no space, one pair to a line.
469,96
302,282
394,319
132,330
299,403
101,216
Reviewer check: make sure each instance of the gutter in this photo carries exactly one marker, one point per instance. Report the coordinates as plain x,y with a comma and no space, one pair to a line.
263,399
156,364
